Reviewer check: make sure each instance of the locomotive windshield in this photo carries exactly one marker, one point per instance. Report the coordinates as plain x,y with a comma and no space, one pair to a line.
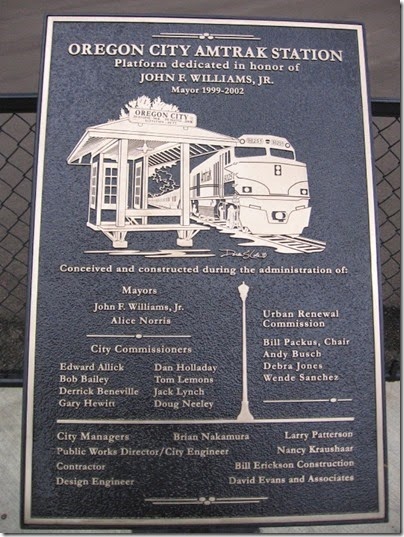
256,151
282,153
250,152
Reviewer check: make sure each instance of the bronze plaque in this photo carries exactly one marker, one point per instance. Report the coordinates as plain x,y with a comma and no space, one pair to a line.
204,340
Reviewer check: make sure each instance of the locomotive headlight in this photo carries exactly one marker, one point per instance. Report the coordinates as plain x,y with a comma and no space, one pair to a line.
280,216
247,190
304,191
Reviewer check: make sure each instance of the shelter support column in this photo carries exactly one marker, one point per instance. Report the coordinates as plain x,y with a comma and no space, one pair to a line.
145,186
122,194
100,189
185,235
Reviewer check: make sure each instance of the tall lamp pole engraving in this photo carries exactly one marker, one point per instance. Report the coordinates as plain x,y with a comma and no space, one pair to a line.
245,414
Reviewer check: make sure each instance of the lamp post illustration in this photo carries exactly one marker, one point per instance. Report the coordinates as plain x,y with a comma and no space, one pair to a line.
245,414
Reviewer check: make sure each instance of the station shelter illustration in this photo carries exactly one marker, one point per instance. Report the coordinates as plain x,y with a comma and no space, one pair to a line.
123,154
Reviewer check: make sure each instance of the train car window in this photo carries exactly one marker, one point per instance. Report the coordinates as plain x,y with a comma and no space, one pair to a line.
250,151
198,184
229,189
282,153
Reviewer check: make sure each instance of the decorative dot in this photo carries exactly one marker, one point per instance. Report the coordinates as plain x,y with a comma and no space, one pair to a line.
207,502
138,336
212,498
202,499
333,400
201,37
211,37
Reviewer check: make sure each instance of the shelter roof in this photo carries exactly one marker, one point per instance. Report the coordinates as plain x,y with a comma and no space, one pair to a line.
161,142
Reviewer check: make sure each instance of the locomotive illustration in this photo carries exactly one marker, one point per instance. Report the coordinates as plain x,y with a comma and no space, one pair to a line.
256,186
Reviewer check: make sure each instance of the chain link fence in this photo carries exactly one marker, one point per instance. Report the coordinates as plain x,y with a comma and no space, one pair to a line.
387,151
17,140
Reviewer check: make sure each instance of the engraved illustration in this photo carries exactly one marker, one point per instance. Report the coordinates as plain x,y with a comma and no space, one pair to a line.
143,178
245,414
205,35
205,500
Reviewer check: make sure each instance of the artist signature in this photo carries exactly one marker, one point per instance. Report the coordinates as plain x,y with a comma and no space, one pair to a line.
247,254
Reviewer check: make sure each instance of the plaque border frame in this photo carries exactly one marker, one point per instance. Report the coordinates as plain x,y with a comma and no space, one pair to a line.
27,520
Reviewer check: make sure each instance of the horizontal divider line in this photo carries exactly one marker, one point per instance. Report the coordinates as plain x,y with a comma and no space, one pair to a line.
203,422
138,336
331,400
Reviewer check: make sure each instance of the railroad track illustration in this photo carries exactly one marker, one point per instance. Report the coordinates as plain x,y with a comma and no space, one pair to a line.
296,244
287,244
